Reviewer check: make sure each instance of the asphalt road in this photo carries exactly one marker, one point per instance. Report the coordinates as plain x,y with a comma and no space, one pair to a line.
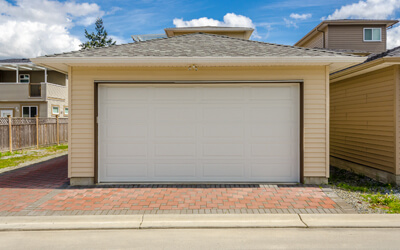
295,238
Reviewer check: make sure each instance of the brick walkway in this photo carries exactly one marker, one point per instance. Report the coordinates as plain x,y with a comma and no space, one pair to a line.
43,189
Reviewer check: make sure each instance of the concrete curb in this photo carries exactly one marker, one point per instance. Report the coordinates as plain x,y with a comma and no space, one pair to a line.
168,221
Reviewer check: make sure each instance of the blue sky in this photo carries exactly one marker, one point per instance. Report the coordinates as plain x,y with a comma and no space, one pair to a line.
146,16
41,27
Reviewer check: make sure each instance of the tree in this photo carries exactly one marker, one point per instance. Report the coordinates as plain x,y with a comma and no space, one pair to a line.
98,39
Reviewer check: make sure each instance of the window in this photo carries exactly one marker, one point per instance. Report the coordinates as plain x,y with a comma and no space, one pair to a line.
65,110
29,111
24,78
372,34
55,110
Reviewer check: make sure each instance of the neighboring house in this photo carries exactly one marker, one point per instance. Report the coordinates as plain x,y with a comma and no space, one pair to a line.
29,90
360,37
199,107
365,102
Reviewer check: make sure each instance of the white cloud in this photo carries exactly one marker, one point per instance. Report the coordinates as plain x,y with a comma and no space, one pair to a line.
31,28
120,40
290,23
300,16
393,37
368,9
230,20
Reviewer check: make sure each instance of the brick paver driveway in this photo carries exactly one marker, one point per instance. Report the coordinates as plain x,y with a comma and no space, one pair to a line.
43,189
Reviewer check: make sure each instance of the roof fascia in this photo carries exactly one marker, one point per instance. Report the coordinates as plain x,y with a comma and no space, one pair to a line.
364,68
61,63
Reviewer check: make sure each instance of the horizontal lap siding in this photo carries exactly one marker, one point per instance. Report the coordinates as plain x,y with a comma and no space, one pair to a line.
352,37
82,149
362,125
397,122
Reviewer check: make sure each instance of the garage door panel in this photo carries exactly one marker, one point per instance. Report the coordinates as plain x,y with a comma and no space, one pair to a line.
174,93
224,170
284,131
270,170
222,130
220,114
262,150
125,149
128,114
199,133
221,94
221,150
174,113
126,130
271,114
173,170
271,93
174,130
114,170
176,149
116,95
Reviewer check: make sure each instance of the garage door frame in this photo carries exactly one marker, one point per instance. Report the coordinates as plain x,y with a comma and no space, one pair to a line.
96,109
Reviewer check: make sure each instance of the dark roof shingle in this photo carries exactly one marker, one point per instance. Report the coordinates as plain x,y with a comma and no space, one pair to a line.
201,45
15,60
395,52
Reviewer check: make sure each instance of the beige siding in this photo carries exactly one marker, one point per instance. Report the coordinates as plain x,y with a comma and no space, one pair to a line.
317,41
82,151
352,37
362,126
397,105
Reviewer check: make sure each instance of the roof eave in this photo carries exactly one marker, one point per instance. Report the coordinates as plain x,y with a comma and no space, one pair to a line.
364,68
62,63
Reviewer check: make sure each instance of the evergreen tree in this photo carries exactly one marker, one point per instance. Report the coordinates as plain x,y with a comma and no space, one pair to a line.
98,39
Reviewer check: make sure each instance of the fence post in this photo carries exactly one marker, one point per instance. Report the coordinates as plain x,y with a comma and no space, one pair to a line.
58,131
10,132
37,132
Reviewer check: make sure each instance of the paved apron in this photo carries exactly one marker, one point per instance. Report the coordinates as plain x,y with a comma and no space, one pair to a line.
43,189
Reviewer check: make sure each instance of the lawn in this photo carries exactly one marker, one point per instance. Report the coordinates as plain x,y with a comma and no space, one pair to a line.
8,159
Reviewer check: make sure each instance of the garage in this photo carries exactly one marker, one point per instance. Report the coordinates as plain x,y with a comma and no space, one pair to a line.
206,107
206,132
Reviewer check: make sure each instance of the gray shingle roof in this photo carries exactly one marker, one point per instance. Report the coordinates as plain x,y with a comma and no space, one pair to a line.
395,52
201,45
15,60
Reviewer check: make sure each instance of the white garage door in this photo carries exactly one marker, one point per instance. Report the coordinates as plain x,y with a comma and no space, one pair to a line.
199,133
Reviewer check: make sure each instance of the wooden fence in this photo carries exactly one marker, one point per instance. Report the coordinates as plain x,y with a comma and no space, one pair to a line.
21,133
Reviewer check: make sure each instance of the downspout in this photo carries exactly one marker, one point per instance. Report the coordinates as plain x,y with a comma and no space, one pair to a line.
323,37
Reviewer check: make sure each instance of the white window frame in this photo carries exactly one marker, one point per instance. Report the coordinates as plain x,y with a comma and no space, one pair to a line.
66,108
52,109
22,111
380,31
29,78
